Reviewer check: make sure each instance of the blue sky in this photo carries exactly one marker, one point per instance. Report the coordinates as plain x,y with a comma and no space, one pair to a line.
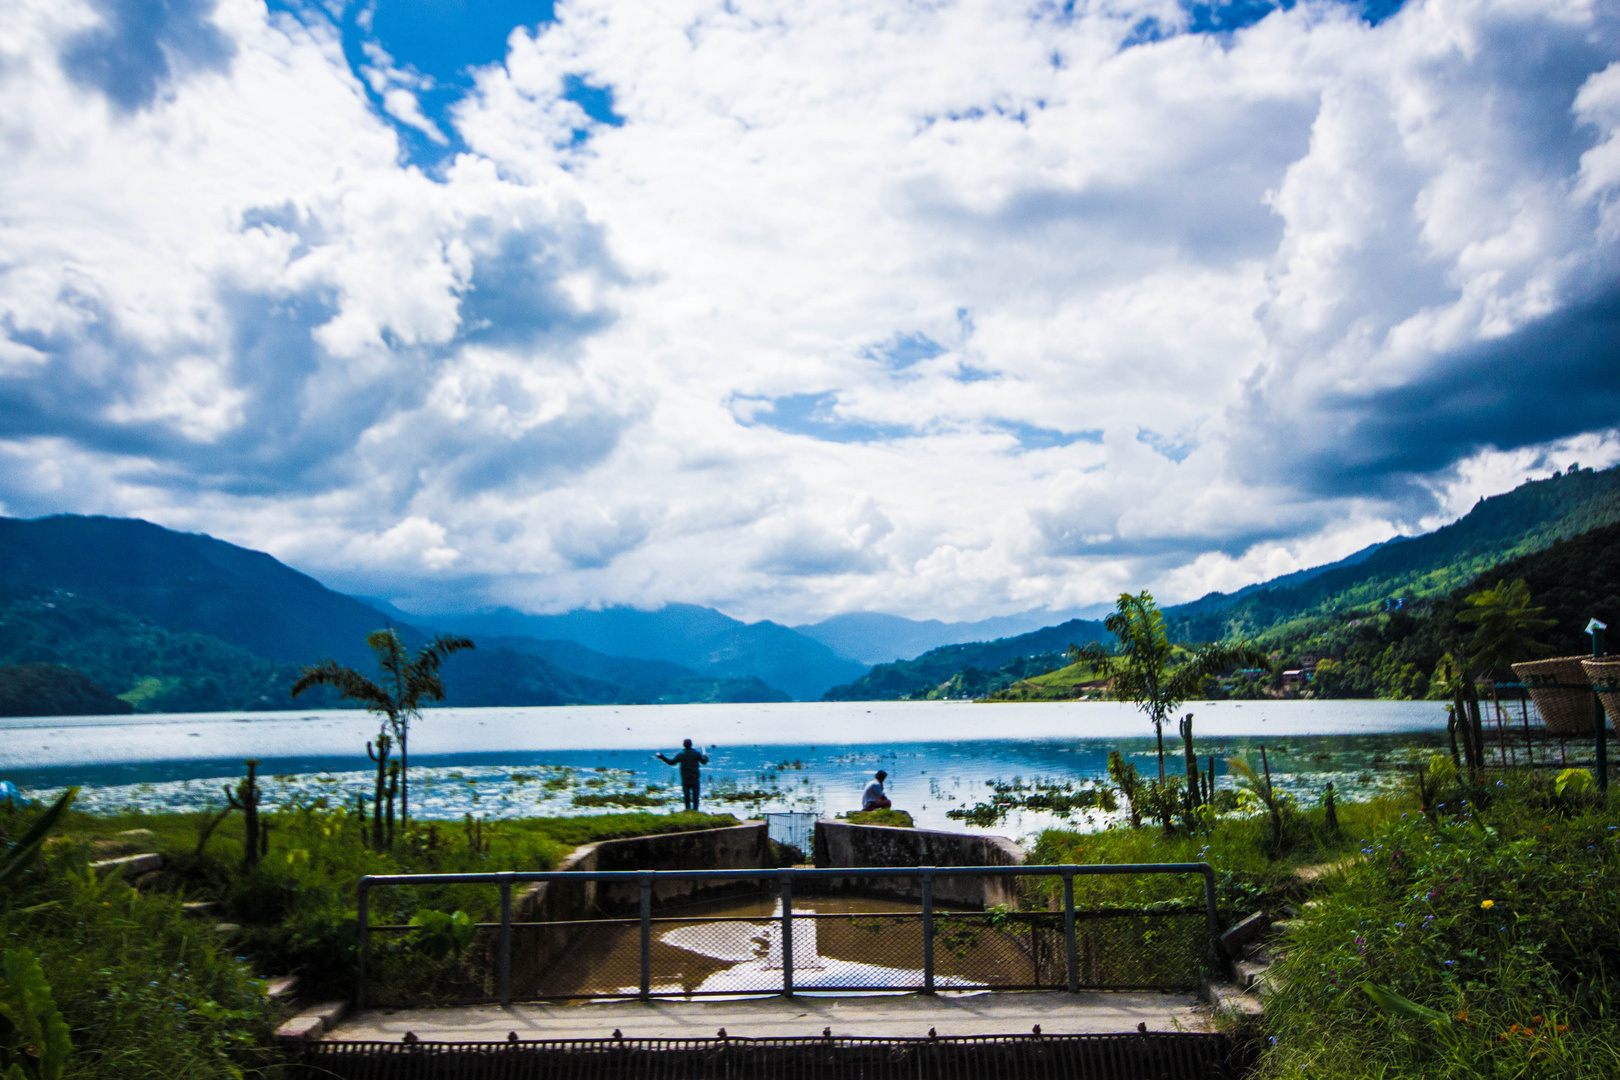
948,310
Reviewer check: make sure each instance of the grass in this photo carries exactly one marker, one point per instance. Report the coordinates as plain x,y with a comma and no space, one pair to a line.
897,819
149,992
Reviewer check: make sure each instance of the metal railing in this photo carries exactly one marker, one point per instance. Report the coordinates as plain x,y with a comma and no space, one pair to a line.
932,948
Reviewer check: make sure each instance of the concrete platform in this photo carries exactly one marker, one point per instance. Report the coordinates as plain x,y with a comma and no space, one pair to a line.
889,1016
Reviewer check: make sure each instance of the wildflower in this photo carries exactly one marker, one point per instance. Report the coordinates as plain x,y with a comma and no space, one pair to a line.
1487,904
1535,1019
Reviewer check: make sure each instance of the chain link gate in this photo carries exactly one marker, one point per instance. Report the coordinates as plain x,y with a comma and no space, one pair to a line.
769,942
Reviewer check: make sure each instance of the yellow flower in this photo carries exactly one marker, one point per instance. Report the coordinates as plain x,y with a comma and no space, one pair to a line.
1487,904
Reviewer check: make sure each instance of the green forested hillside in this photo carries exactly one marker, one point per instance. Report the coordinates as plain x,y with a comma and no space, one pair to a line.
1544,530
1394,654
189,584
154,669
53,690
971,670
1527,519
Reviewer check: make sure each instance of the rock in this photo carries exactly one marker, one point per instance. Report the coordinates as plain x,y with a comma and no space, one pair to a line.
129,865
283,986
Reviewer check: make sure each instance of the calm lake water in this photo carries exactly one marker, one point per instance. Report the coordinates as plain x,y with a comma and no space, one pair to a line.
511,762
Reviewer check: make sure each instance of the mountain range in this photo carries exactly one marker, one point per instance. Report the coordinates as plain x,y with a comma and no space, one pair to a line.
178,622
92,607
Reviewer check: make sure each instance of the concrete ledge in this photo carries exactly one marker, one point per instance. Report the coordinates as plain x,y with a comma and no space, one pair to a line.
1234,941
886,1016
300,1028
1227,998
128,865
841,844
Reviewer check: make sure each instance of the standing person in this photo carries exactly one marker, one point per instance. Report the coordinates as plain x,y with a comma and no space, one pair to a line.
689,760
873,798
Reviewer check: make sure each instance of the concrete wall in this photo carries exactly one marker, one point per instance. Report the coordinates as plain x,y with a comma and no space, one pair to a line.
536,948
841,844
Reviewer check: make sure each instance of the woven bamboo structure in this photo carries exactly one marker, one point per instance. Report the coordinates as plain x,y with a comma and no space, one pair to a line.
1605,671
1562,693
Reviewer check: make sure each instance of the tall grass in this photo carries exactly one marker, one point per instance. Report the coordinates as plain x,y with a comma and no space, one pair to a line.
1472,933
1496,915
150,992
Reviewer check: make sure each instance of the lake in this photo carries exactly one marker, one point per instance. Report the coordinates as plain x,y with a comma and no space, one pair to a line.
509,762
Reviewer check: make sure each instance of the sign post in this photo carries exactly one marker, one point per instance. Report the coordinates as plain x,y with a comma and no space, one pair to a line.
1596,628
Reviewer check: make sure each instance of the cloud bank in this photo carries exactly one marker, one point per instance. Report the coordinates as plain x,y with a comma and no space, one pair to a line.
946,310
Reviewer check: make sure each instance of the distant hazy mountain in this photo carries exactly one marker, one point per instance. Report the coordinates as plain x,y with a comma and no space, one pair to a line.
873,638
647,682
708,642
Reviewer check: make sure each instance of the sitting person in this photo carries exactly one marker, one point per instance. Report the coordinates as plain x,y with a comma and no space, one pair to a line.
873,798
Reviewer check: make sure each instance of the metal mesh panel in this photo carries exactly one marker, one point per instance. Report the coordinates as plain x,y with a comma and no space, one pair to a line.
1155,1056
794,829
843,939
399,973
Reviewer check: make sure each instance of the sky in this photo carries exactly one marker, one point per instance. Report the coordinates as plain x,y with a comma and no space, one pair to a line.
942,309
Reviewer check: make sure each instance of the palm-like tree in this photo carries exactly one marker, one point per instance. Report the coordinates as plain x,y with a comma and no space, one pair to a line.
1506,622
1141,669
407,682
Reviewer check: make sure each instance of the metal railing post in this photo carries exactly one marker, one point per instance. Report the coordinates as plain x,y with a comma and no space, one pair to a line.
646,937
1073,958
363,911
1212,917
928,928
787,932
506,941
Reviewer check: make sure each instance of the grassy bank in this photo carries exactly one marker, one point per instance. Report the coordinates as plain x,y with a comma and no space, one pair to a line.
151,992
1485,919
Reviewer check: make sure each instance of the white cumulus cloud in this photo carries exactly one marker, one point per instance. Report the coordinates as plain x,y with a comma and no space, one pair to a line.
948,310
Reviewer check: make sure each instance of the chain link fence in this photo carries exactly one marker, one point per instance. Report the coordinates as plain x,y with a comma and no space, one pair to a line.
795,941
